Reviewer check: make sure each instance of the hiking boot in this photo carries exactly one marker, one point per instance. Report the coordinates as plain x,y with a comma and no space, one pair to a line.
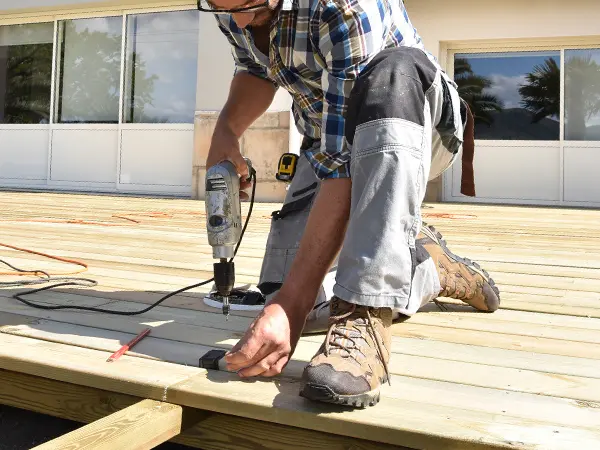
352,363
318,319
460,278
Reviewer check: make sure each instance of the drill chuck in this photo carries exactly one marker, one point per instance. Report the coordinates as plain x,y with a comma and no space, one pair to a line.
224,281
224,277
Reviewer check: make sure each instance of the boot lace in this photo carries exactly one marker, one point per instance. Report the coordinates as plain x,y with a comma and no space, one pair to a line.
340,338
455,286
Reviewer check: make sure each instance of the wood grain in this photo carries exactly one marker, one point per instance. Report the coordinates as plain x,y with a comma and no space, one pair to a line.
534,365
141,426
408,422
211,432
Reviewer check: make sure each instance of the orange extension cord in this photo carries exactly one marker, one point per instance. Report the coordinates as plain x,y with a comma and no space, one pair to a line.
45,255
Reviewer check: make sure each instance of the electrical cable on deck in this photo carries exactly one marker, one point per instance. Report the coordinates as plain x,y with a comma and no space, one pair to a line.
84,282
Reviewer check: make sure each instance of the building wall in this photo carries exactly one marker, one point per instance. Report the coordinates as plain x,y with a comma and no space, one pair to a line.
40,6
263,143
445,25
440,22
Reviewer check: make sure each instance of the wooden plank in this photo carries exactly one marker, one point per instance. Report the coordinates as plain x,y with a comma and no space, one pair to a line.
560,308
408,423
213,432
472,365
498,340
498,379
478,323
141,426
504,315
475,353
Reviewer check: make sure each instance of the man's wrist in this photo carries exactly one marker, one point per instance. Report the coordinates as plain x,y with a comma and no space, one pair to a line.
296,300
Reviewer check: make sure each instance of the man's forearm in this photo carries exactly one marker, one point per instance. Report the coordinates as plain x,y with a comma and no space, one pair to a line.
321,242
249,97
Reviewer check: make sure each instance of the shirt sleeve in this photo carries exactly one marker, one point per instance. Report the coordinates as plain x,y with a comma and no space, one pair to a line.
350,34
242,58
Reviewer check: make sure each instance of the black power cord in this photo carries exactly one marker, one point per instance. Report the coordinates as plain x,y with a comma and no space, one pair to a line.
91,283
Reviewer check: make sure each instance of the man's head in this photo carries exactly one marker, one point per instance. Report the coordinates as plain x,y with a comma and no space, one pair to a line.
254,13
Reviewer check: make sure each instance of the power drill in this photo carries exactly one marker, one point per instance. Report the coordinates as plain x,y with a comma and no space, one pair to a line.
224,223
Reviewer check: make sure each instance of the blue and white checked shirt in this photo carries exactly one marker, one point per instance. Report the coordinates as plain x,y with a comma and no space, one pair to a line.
318,48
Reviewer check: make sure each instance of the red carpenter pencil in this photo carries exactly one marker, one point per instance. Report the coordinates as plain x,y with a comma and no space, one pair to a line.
116,355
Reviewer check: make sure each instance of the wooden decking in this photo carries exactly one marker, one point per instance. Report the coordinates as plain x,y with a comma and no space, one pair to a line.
527,376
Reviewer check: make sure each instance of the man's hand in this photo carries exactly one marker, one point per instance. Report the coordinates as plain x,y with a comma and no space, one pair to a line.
269,343
271,340
249,97
225,146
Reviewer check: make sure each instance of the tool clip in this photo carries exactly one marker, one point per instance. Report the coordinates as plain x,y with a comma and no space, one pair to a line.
286,168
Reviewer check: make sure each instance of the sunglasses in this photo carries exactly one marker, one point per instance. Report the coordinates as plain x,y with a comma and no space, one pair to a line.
205,6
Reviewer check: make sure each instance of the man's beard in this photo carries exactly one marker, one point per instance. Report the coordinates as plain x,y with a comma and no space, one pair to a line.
262,19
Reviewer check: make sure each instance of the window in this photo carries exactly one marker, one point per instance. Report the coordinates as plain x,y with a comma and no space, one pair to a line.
582,95
25,73
89,70
513,96
161,67
159,80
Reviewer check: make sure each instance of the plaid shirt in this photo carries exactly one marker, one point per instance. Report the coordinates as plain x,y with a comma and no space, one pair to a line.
318,48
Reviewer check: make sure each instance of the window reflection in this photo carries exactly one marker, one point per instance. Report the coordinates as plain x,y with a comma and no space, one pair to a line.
25,73
90,70
582,95
162,58
513,96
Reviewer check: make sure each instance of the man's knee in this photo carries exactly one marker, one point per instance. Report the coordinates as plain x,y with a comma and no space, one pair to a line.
393,85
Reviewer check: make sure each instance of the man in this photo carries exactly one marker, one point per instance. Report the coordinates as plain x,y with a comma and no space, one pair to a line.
379,120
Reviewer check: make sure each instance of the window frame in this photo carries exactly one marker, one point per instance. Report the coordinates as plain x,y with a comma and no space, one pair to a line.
51,105
60,14
59,39
450,72
99,12
448,50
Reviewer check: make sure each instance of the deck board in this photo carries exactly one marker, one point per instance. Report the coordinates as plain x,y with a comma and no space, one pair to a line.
527,376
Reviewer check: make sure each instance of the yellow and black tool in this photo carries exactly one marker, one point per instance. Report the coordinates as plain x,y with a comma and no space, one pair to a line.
287,167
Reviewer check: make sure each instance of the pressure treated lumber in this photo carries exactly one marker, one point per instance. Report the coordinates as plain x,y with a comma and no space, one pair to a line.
409,423
494,383
534,365
211,432
513,370
141,426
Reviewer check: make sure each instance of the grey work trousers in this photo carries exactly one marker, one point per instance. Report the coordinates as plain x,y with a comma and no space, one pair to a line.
404,126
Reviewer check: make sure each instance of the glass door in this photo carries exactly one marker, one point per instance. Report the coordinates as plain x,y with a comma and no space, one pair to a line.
582,125
85,135
161,65
25,96
516,102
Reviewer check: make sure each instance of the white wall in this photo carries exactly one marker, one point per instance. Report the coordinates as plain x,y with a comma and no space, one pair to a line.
12,6
215,69
462,20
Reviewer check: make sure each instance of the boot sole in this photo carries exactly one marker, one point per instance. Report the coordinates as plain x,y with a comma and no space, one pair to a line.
322,393
437,237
